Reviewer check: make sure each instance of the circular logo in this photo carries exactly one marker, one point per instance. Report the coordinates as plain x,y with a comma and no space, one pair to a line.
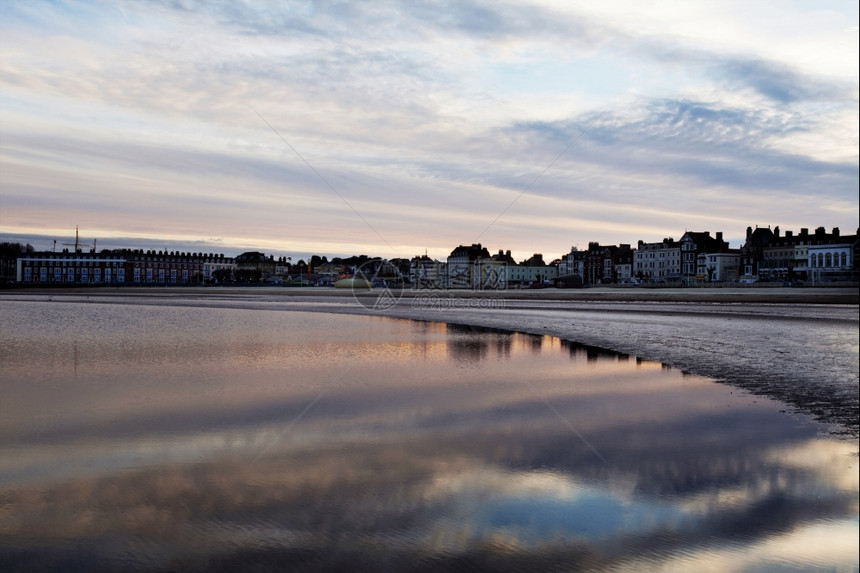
377,284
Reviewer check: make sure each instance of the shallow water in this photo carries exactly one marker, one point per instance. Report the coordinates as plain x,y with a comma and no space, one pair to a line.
142,438
805,355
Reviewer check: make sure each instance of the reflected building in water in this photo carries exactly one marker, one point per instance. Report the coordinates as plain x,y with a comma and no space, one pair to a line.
289,441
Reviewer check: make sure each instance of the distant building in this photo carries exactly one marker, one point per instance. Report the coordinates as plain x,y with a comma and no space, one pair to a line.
622,263
530,271
573,264
492,272
833,257
785,257
425,272
122,266
563,263
254,266
604,264
464,268
73,268
768,255
694,244
719,267
753,250
571,269
215,266
657,260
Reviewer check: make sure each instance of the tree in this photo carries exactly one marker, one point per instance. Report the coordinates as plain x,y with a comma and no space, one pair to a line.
222,275
9,253
248,275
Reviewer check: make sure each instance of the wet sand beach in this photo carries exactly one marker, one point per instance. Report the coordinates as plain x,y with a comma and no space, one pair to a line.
153,429
797,345
774,295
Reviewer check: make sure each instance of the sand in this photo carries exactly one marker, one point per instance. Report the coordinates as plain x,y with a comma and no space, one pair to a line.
796,345
778,295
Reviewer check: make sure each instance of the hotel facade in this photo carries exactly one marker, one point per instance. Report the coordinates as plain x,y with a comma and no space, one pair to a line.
118,267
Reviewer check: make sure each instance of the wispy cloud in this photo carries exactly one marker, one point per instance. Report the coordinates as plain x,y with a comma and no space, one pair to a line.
428,117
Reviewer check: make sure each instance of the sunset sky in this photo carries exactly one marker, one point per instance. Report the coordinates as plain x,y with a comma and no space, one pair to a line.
391,128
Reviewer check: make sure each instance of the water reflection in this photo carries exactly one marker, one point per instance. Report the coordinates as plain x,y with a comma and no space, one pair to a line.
261,440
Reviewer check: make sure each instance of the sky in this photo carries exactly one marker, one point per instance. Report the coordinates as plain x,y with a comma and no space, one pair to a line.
398,128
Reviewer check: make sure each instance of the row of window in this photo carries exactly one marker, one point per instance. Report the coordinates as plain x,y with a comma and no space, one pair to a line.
83,274
102,275
150,275
785,254
74,263
167,266
103,264
660,254
826,260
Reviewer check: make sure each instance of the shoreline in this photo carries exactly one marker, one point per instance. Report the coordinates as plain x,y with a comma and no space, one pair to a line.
751,295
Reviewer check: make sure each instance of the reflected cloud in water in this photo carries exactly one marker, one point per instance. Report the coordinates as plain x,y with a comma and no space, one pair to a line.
315,441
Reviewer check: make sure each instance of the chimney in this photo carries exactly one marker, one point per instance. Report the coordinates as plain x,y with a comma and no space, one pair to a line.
789,234
804,231
508,252
835,231
720,236
749,233
776,231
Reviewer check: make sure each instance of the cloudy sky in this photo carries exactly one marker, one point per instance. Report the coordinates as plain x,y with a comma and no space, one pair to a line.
388,128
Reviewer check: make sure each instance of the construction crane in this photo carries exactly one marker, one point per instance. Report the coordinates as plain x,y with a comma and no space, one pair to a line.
77,244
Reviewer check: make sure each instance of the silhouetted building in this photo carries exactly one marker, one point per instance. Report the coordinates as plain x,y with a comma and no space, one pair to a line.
694,244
